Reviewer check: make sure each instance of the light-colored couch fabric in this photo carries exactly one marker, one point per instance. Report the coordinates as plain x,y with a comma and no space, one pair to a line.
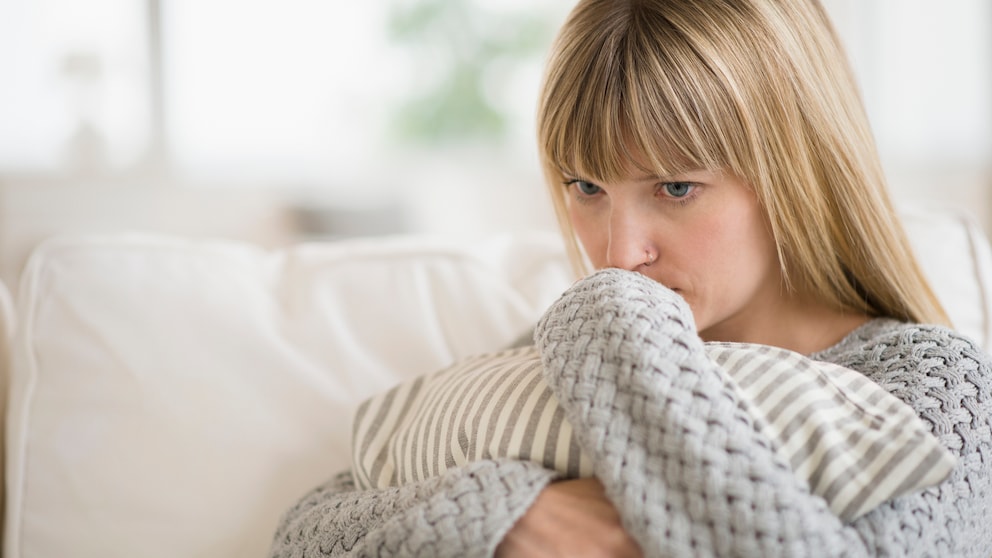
171,397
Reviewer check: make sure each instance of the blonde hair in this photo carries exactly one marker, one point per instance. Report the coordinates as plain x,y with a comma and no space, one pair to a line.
759,88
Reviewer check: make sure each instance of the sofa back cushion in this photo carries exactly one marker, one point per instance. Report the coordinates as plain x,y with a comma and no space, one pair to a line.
955,256
172,398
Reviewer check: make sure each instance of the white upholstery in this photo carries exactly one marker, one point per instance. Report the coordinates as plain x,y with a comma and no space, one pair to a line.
171,398
955,255
7,324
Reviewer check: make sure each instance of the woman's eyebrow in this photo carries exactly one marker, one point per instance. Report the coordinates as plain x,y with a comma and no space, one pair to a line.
647,177
657,178
671,177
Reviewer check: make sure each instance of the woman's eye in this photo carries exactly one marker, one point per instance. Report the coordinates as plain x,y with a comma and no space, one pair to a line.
586,188
678,189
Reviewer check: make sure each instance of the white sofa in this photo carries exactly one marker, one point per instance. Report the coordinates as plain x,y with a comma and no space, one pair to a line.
170,397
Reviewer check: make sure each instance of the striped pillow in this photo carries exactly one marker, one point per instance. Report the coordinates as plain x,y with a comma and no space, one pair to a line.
855,444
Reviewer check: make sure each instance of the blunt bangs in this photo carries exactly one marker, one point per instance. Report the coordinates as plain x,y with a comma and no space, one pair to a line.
617,104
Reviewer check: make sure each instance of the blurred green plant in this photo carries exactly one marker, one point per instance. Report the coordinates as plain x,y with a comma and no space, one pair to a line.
463,46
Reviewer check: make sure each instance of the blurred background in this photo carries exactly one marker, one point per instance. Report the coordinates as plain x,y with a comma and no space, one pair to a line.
278,121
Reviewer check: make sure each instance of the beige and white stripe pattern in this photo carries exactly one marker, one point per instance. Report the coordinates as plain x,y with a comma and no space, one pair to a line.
483,407
856,444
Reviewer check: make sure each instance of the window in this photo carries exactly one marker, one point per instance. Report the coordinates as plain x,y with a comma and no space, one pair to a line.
75,95
420,102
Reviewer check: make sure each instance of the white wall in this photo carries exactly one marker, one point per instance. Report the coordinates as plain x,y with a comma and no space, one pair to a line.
925,69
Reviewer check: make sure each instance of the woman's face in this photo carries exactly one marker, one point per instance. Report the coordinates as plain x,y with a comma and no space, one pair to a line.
701,234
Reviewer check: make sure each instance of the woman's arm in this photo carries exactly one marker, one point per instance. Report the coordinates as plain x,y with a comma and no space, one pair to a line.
947,380
681,460
465,512
686,470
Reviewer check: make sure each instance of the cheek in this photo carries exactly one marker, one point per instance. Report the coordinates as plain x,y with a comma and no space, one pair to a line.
590,235
731,246
758,246
707,241
749,254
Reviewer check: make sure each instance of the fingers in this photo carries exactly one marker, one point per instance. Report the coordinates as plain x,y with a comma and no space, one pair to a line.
570,518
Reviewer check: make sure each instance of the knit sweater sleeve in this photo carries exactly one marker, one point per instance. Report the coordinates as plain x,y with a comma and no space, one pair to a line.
465,512
691,475
677,451
947,379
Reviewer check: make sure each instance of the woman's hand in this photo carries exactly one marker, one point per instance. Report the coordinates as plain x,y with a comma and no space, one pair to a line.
570,518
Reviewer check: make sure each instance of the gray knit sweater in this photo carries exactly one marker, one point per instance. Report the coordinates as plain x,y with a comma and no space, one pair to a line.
679,457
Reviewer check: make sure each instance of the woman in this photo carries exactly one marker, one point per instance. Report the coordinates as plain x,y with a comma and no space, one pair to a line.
720,150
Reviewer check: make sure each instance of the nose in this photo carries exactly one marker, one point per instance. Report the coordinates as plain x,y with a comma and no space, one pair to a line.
631,245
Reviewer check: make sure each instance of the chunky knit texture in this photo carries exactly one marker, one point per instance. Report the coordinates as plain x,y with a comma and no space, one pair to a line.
679,456
464,513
